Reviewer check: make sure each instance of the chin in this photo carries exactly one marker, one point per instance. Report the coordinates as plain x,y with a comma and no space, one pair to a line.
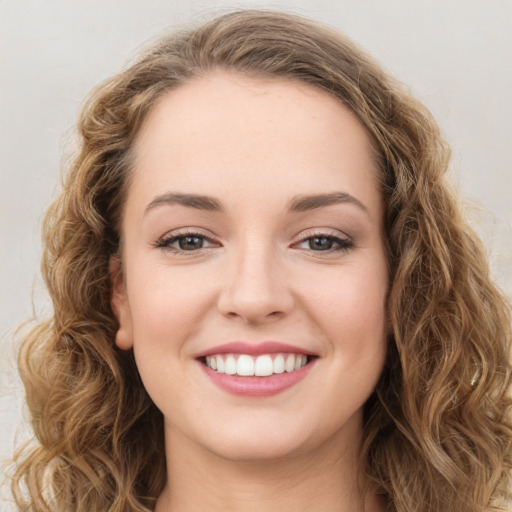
261,442
257,452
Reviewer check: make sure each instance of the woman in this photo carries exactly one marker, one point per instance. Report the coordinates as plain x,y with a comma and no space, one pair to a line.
265,296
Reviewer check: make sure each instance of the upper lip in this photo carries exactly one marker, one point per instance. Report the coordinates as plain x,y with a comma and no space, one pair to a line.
266,347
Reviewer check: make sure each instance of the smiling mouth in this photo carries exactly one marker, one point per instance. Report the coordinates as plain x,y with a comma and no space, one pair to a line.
264,365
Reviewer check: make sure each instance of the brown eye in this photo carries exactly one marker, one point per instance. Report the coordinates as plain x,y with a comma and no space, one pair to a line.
186,242
325,243
320,243
190,242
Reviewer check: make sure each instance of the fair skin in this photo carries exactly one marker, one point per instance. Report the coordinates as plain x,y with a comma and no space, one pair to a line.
254,219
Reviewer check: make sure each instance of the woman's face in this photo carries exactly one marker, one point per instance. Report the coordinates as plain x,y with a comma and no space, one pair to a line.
254,272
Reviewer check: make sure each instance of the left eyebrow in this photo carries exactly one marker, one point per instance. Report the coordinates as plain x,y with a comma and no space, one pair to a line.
312,202
199,202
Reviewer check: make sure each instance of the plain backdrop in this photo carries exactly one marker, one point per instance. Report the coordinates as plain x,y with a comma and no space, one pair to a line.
455,55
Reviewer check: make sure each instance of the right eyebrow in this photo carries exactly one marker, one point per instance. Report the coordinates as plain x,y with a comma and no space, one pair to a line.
197,201
314,201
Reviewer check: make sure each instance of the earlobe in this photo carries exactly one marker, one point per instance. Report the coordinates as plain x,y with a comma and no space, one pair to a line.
119,304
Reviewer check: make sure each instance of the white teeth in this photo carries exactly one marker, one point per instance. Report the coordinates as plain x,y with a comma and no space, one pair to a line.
289,366
261,366
300,361
245,365
264,366
230,365
279,364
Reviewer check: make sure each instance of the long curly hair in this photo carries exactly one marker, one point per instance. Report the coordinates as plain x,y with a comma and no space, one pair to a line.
437,430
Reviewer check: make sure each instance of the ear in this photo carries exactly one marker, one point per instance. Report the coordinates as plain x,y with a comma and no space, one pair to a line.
389,323
120,305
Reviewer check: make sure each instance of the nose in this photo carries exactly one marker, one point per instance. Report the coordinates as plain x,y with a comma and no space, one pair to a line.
256,289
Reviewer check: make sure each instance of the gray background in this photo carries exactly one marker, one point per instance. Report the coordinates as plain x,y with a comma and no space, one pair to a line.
454,54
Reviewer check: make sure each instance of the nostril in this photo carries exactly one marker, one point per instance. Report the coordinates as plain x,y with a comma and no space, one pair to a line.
254,316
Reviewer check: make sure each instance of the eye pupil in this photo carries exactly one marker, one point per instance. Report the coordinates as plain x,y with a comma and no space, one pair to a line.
189,243
320,243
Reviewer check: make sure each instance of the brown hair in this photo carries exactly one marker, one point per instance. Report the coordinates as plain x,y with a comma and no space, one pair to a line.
437,433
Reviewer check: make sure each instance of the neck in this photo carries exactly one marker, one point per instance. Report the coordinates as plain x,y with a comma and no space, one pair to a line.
326,480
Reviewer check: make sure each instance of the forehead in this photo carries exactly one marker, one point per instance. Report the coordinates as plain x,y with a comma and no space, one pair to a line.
200,106
227,128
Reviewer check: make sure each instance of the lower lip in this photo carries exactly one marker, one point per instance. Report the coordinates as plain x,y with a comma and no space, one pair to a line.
257,387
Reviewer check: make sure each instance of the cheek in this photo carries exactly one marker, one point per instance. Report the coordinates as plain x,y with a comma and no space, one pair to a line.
361,311
349,306
168,307
352,301
167,303
355,322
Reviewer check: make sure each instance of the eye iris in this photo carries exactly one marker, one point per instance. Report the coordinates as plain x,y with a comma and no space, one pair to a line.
189,243
320,243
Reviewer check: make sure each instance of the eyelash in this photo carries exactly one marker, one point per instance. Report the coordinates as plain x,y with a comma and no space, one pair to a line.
343,244
166,242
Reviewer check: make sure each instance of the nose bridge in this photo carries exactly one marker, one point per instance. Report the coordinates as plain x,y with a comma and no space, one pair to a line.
256,288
